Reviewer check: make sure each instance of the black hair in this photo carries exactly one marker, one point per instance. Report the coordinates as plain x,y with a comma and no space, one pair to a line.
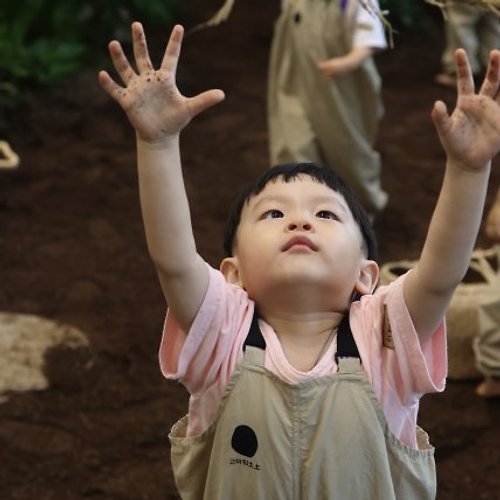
291,171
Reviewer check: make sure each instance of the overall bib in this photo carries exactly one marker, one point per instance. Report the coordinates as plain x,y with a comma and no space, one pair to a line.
324,438
312,120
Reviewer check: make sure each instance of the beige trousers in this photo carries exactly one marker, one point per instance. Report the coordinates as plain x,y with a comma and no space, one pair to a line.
487,344
475,30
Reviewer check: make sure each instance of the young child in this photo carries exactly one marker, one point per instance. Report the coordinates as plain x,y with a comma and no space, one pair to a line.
472,28
305,381
324,91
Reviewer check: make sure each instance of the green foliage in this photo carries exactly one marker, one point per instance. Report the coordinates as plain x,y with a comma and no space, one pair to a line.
408,14
44,40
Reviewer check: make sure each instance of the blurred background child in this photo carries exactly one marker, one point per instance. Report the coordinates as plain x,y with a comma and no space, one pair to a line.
324,102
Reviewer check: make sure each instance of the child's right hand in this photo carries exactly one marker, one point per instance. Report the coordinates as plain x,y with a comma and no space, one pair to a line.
150,97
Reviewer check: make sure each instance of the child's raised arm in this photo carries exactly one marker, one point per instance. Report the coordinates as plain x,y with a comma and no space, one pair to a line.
158,112
470,138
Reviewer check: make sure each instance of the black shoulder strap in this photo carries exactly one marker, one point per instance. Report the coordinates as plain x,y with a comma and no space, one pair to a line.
254,337
346,346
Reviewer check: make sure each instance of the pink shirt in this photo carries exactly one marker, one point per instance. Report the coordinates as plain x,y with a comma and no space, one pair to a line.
205,360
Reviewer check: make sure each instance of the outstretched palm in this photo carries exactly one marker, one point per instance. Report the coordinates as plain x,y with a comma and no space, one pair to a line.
471,135
150,97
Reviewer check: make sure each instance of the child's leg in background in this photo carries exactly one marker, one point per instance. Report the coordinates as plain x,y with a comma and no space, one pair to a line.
475,30
461,32
489,36
487,347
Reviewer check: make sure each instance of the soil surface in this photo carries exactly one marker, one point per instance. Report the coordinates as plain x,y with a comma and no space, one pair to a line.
73,250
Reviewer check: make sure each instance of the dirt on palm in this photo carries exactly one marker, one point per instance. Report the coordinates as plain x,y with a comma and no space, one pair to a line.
73,251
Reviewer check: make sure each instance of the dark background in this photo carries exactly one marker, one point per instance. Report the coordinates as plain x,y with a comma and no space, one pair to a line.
72,249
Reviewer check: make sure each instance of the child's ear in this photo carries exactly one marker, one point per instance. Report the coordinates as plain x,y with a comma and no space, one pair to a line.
229,268
368,277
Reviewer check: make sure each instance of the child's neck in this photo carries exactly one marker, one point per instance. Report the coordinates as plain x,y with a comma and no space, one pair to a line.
304,337
301,325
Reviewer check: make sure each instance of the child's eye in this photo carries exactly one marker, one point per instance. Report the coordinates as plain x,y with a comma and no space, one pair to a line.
326,214
273,214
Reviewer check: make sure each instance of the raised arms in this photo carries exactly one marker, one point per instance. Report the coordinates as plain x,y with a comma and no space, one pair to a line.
158,112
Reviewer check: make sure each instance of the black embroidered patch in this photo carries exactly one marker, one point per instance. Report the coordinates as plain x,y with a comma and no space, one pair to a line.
244,441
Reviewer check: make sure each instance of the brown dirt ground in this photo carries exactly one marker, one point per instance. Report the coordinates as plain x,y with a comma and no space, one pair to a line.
73,250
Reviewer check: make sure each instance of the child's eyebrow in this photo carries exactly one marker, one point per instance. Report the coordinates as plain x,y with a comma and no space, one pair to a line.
335,198
269,199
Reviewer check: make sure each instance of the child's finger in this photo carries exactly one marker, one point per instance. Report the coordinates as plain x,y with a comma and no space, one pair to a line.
465,80
109,85
440,117
204,101
120,62
173,50
140,45
495,56
491,82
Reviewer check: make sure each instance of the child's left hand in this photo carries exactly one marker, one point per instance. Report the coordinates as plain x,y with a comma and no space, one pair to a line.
471,135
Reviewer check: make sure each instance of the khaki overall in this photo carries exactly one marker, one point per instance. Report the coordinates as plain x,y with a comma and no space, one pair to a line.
313,120
325,438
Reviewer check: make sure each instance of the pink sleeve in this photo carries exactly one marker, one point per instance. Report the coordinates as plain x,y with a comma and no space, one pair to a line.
209,353
410,369
402,374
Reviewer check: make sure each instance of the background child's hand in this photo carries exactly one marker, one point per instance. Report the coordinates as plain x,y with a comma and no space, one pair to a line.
150,98
336,66
471,135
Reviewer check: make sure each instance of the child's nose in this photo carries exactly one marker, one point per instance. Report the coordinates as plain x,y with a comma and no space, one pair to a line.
299,225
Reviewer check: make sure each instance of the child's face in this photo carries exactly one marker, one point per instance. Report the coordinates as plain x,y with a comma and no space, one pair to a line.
299,234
